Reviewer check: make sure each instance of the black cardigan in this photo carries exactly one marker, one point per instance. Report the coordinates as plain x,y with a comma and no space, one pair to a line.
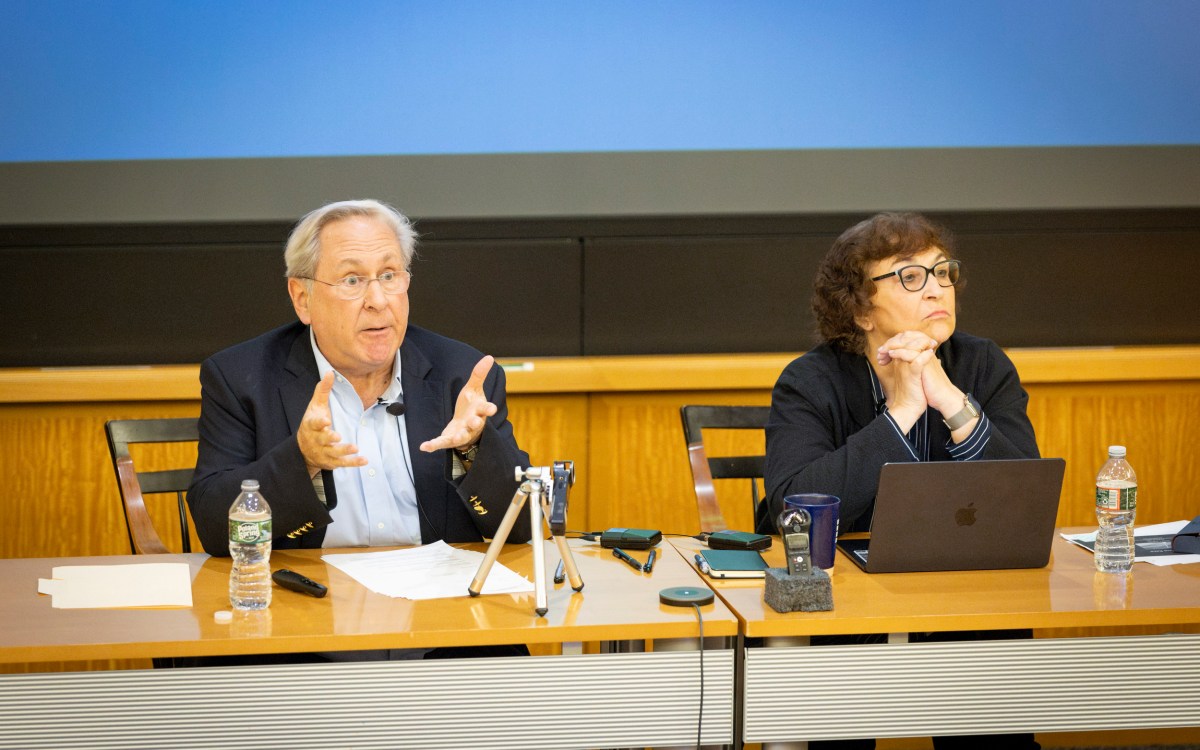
823,434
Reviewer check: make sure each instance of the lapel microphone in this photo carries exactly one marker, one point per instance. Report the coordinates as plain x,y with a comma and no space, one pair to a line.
395,408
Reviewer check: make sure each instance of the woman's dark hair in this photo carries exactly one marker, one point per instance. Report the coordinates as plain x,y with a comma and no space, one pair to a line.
842,291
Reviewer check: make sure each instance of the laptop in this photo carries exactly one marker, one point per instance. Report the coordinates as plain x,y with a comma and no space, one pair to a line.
961,515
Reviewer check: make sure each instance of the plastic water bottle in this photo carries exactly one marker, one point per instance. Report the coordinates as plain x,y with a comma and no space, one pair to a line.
250,548
1116,504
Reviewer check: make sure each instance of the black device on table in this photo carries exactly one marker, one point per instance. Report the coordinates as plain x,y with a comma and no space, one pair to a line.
737,540
623,538
293,581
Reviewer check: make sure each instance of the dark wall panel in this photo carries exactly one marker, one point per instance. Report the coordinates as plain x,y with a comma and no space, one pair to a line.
1067,279
67,303
699,294
83,295
504,297
136,305
1085,289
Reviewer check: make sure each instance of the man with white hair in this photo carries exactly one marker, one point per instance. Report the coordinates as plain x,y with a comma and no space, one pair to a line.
361,429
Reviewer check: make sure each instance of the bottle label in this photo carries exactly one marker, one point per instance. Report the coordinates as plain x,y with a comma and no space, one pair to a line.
1116,498
249,532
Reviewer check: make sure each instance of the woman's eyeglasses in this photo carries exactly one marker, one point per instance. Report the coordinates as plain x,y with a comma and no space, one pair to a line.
914,278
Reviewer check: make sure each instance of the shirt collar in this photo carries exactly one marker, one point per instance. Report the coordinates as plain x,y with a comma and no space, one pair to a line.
394,389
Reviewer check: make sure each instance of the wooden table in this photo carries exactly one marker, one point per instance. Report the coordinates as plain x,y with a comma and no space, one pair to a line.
641,689
901,689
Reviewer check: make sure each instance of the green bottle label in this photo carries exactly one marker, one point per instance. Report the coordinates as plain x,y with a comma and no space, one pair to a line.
1113,497
249,532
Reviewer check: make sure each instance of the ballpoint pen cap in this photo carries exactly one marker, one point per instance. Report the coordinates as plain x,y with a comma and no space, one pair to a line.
649,566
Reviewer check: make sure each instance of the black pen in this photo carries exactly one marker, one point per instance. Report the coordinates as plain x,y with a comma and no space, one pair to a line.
618,552
702,564
649,566
559,572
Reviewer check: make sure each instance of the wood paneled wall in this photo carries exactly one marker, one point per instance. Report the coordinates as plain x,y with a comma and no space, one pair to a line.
616,417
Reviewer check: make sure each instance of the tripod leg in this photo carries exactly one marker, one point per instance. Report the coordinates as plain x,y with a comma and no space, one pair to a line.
569,563
539,553
498,541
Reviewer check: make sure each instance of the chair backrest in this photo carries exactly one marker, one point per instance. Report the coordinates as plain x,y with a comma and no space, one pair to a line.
705,468
143,539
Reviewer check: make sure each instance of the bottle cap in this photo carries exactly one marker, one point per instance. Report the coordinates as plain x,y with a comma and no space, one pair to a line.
1116,451
223,617
251,485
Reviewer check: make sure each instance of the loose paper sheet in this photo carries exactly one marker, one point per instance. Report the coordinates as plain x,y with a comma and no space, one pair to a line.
108,586
1153,543
432,571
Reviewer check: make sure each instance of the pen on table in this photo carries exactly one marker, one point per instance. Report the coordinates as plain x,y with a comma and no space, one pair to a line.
702,564
618,552
649,566
560,574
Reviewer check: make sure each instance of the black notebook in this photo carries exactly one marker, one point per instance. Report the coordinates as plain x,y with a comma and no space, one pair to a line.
961,515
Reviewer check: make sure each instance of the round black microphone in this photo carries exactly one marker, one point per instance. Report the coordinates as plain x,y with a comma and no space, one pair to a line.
395,408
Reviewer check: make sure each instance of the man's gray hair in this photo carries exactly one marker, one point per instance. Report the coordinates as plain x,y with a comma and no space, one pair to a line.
304,245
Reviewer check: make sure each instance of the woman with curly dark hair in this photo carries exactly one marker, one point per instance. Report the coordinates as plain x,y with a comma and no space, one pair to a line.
892,381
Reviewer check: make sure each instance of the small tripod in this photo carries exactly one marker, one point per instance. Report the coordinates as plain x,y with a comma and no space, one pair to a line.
548,488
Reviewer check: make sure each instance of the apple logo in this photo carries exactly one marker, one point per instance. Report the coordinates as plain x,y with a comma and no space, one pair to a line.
965,516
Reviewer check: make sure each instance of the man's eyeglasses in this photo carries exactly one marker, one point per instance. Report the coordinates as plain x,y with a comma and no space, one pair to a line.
354,287
913,278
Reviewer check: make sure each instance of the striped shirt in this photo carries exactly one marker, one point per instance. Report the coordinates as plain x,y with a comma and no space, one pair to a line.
917,439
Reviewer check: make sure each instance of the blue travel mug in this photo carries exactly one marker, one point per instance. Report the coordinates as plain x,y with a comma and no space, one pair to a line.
822,536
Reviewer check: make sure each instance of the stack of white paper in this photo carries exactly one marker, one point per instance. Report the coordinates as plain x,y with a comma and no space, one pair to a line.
433,571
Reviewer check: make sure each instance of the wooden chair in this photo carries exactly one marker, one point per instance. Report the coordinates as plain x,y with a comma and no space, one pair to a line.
143,538
705,468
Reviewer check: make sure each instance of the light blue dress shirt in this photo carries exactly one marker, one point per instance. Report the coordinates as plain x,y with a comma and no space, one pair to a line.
376,503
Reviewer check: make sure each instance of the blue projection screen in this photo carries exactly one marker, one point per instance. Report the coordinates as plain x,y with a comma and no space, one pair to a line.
147,110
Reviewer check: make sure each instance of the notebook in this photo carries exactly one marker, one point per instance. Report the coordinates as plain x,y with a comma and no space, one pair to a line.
733,563
961,515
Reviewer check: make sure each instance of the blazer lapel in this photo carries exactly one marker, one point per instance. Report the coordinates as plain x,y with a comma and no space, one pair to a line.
861,399
425,417
296,391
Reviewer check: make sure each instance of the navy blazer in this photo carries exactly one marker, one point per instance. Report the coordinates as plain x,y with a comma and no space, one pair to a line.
253,397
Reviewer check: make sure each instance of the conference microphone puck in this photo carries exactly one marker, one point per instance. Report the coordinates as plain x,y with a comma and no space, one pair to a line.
685,596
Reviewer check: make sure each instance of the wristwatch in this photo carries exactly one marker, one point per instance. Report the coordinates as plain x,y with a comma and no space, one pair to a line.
467,455
969,411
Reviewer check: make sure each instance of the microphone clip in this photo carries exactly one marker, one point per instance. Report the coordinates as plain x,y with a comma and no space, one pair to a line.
395,408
